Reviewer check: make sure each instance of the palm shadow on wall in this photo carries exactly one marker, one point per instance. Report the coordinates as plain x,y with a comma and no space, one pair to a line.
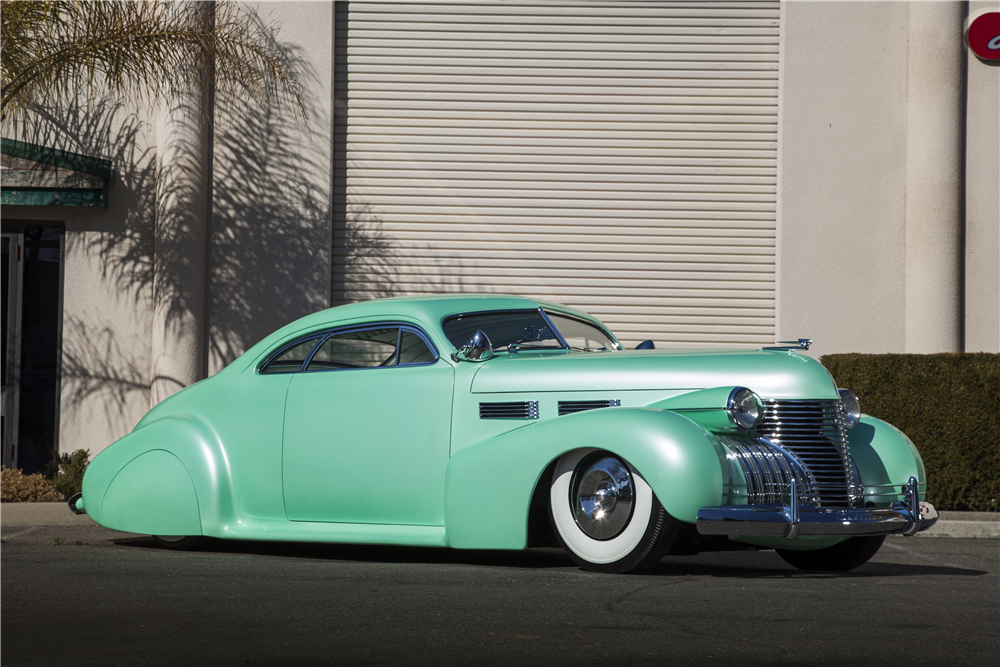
98,359
269,261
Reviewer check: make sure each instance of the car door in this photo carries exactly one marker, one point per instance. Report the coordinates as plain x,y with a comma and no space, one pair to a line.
367,430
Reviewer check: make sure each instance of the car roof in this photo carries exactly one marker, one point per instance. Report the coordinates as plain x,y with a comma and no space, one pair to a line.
429,309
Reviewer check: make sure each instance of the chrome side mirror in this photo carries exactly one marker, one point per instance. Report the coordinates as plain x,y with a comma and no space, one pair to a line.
477,349
646,345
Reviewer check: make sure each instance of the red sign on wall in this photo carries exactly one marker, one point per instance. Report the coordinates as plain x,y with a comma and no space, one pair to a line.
983,36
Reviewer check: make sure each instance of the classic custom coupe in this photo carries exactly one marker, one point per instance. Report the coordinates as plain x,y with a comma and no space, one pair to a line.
501,422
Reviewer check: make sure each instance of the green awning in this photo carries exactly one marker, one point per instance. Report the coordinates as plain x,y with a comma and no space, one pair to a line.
40,176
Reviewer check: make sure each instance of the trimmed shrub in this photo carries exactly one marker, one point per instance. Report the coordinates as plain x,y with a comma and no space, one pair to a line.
16,487
949,406
68,477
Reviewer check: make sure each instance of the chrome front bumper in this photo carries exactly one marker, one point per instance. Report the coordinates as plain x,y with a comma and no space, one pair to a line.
794,519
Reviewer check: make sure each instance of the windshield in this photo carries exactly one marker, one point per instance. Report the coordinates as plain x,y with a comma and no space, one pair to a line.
528,329
582,336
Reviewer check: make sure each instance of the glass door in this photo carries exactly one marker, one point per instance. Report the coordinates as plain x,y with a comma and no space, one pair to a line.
10,310
32,319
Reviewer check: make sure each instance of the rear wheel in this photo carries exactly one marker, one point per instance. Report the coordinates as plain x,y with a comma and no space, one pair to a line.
606,516
843,557
180,542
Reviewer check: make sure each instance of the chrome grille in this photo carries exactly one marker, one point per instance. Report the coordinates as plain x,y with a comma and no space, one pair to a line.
514,410
569,407
812,432
767,470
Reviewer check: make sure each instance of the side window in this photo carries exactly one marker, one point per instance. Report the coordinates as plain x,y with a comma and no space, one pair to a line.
291,359
357,349
413,350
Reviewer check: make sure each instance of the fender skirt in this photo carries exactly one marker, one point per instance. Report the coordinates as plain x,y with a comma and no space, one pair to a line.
170,477
154,495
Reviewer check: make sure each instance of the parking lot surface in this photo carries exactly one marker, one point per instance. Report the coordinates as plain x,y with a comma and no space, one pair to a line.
83,595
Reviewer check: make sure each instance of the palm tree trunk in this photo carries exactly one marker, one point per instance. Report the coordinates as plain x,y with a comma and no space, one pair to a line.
183,235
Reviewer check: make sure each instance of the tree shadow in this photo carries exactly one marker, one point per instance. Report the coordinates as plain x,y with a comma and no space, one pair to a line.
270,228
102,371
269,231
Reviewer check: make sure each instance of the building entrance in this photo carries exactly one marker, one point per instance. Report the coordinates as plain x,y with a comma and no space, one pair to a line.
32,318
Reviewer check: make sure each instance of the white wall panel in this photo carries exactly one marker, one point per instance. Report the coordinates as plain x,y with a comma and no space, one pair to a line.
617,157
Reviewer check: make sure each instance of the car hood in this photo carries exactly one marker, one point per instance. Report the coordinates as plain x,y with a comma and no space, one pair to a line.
772,374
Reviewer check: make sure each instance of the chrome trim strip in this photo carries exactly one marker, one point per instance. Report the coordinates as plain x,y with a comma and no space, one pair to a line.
555,329
800,344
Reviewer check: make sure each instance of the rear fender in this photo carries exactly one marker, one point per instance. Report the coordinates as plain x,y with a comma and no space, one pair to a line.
489,485
171,477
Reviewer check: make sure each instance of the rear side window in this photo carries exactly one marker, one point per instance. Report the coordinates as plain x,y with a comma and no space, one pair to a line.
357,349
379,346
291,359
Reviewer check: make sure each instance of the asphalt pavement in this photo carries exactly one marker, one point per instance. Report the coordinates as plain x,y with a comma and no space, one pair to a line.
79,594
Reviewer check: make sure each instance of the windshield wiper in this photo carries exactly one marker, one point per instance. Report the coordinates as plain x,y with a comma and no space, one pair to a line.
528,345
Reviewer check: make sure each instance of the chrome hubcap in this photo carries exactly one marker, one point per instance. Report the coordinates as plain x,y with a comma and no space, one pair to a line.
602,496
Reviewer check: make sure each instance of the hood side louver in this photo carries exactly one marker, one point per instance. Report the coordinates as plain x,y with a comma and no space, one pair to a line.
569,407
515,410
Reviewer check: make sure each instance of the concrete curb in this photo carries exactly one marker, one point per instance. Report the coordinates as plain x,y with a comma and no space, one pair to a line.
19,515
979,525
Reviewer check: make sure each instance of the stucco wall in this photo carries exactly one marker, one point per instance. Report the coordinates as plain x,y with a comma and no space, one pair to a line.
982,202
842,166
870,190
271,221
106,286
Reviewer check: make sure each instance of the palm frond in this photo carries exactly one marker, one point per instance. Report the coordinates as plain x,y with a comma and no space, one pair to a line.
138,51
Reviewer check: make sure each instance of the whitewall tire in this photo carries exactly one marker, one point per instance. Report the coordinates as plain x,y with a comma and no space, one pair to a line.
605,515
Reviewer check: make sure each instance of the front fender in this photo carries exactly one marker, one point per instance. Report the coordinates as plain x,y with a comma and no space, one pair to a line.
489,485
171,477
886,459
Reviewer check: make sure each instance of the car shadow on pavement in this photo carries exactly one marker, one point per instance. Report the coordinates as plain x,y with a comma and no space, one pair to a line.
528,558
745,564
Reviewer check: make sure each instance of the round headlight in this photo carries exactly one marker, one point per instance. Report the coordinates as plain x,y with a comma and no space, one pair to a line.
745,409
850,408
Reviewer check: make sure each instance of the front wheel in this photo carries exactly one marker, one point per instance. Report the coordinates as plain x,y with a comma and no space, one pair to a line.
606,516
180,542
842,557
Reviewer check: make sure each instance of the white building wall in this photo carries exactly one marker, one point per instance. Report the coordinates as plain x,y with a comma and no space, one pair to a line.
107,273
982,201
270,228
842,164
870,168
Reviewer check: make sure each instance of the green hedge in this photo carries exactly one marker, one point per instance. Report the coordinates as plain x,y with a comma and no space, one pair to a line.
948,404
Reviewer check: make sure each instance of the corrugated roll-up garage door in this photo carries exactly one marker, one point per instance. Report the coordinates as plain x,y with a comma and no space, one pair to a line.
617,157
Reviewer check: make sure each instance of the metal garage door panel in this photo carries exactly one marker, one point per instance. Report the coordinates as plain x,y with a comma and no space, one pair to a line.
617,157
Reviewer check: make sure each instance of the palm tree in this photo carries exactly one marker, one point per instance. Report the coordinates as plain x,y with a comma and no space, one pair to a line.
137,51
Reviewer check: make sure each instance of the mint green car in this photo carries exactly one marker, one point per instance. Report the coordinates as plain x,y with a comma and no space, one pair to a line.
501,422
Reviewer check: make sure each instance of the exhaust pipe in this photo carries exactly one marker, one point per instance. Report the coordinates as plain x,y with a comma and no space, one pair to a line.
76,504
